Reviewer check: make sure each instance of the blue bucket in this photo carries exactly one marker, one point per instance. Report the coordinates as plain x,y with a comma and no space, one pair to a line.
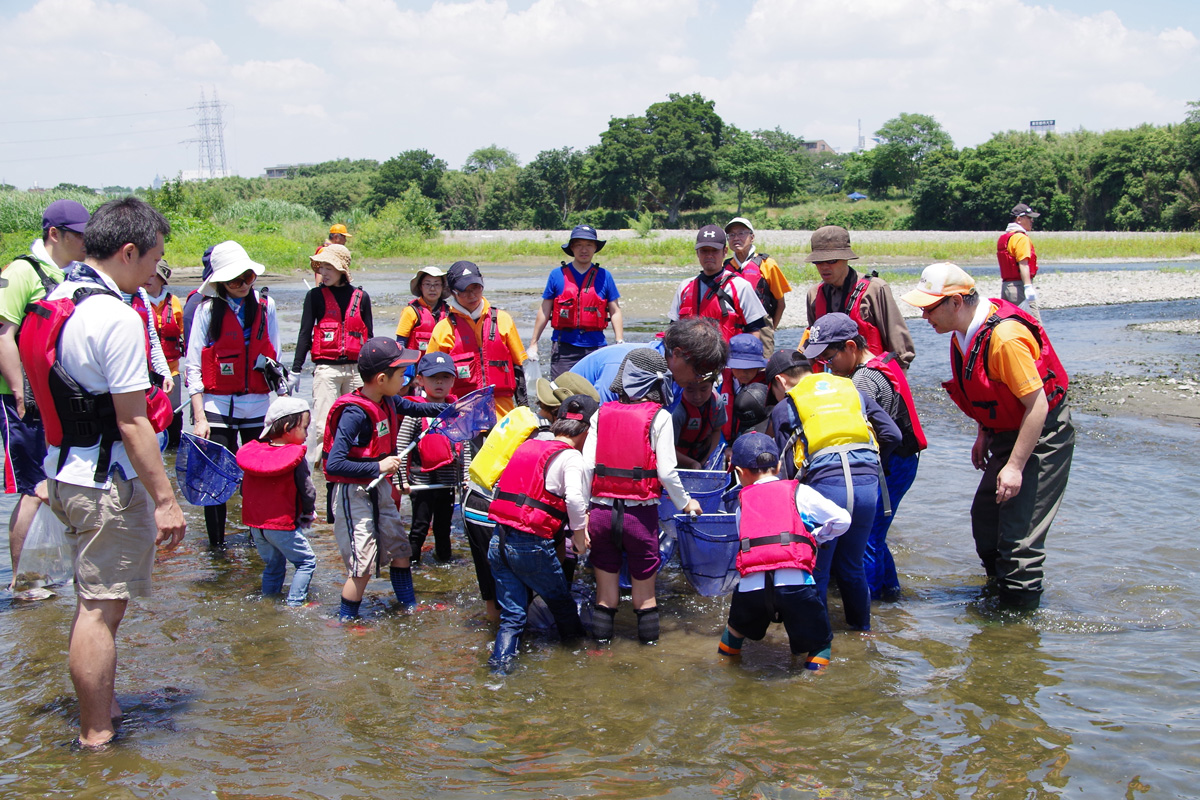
708,546
207,473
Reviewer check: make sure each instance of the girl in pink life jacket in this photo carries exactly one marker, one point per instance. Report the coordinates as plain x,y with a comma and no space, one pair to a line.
278,498
630,457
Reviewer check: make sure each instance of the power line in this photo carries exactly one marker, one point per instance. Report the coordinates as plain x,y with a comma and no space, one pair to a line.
80,119
87,155
97,136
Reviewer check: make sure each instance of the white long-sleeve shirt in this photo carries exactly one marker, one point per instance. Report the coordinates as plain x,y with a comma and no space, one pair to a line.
662,440
565,478
246,406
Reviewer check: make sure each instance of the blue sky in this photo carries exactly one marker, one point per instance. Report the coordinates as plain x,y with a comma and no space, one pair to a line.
97,92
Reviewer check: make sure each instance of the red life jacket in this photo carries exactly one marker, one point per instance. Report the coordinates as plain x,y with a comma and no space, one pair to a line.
270,497
579,307
1010,270
71,415
418,337
522,500
722,305
170,333
135,301
699,425
383,421
751,270
227,364
914,436
852,308
991,403
626,464
771,533
479,365
434,450
337,338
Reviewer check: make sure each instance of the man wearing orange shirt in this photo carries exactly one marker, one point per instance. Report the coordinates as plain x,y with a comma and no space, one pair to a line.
1007,377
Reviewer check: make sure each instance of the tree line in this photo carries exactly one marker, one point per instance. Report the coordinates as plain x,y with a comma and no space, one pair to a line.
679,165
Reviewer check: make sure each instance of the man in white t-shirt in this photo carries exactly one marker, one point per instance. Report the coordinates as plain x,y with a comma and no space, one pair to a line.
717,293
114,515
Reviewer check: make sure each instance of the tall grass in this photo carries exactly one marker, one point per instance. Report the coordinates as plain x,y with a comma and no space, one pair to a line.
21,212
265,212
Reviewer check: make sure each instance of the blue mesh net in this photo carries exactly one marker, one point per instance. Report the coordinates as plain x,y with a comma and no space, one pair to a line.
708,546
206,472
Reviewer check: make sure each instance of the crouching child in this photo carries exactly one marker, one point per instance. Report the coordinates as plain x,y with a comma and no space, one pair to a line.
542,489
360,446
781,524
278,498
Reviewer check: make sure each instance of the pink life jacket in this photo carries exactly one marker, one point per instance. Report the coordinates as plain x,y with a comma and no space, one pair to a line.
270,497
626,464
771,533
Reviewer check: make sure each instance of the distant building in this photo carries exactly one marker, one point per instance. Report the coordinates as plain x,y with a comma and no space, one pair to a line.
283,170
819,146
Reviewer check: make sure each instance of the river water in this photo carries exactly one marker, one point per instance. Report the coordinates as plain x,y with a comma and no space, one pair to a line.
1095,695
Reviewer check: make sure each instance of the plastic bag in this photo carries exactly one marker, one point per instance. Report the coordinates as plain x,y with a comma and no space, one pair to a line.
46,555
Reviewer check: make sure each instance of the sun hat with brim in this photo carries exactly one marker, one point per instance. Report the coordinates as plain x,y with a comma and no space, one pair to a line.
335,255
283,407
551,393
414,285
229,260
939,281
831,243
586,233
162,270
746,352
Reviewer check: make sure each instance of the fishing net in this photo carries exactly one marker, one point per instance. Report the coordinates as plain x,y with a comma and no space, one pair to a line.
206,472
708,546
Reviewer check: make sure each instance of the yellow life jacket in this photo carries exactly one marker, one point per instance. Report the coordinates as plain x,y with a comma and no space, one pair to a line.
499,446
831,414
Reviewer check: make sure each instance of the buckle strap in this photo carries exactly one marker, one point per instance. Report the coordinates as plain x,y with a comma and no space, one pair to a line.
786,537
522,499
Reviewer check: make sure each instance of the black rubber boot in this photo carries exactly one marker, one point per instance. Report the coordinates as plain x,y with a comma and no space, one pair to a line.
647,619
504,652
602,623
566,618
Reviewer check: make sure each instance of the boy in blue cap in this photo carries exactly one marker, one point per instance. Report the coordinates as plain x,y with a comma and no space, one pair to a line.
781,523
433,464
578,301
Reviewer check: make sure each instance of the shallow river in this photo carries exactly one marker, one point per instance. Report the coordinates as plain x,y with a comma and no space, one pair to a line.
1095,695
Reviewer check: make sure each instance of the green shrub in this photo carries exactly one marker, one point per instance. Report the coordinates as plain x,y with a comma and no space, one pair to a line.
643,224
868,219
410,217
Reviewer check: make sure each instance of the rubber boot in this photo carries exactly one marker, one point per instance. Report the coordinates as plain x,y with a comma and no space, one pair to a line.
602,623
647,621
566,618
504,652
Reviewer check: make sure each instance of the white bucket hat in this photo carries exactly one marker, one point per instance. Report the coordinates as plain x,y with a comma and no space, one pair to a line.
229,260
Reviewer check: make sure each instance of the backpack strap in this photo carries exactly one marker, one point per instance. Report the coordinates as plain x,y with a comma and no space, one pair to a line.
48,284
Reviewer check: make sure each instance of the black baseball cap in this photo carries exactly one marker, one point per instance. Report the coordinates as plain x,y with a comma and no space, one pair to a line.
382,352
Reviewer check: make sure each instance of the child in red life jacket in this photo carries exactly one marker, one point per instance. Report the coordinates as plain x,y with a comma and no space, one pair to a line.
334,324
631,452
697,421
278,498
360,446
542,489
780,524
434,463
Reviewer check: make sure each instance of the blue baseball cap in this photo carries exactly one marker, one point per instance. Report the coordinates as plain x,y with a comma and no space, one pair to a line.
436,364
830,329
755,451
65,214
746,352
587,233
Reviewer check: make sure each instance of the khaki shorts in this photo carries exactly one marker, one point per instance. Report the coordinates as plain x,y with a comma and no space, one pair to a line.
366,538
111,532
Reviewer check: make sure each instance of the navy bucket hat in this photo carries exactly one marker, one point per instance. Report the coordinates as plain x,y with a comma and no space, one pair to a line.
586,232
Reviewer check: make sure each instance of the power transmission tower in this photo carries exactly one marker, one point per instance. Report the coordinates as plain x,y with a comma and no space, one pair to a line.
210,143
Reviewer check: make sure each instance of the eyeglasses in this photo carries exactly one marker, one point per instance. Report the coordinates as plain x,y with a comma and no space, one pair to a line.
828,263
929,308
830,352
245,279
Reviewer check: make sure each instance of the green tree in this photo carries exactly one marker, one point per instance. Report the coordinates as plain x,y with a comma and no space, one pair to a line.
555,185
685,133
905,142
73,187
397,174
490,159
624,164
740,160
